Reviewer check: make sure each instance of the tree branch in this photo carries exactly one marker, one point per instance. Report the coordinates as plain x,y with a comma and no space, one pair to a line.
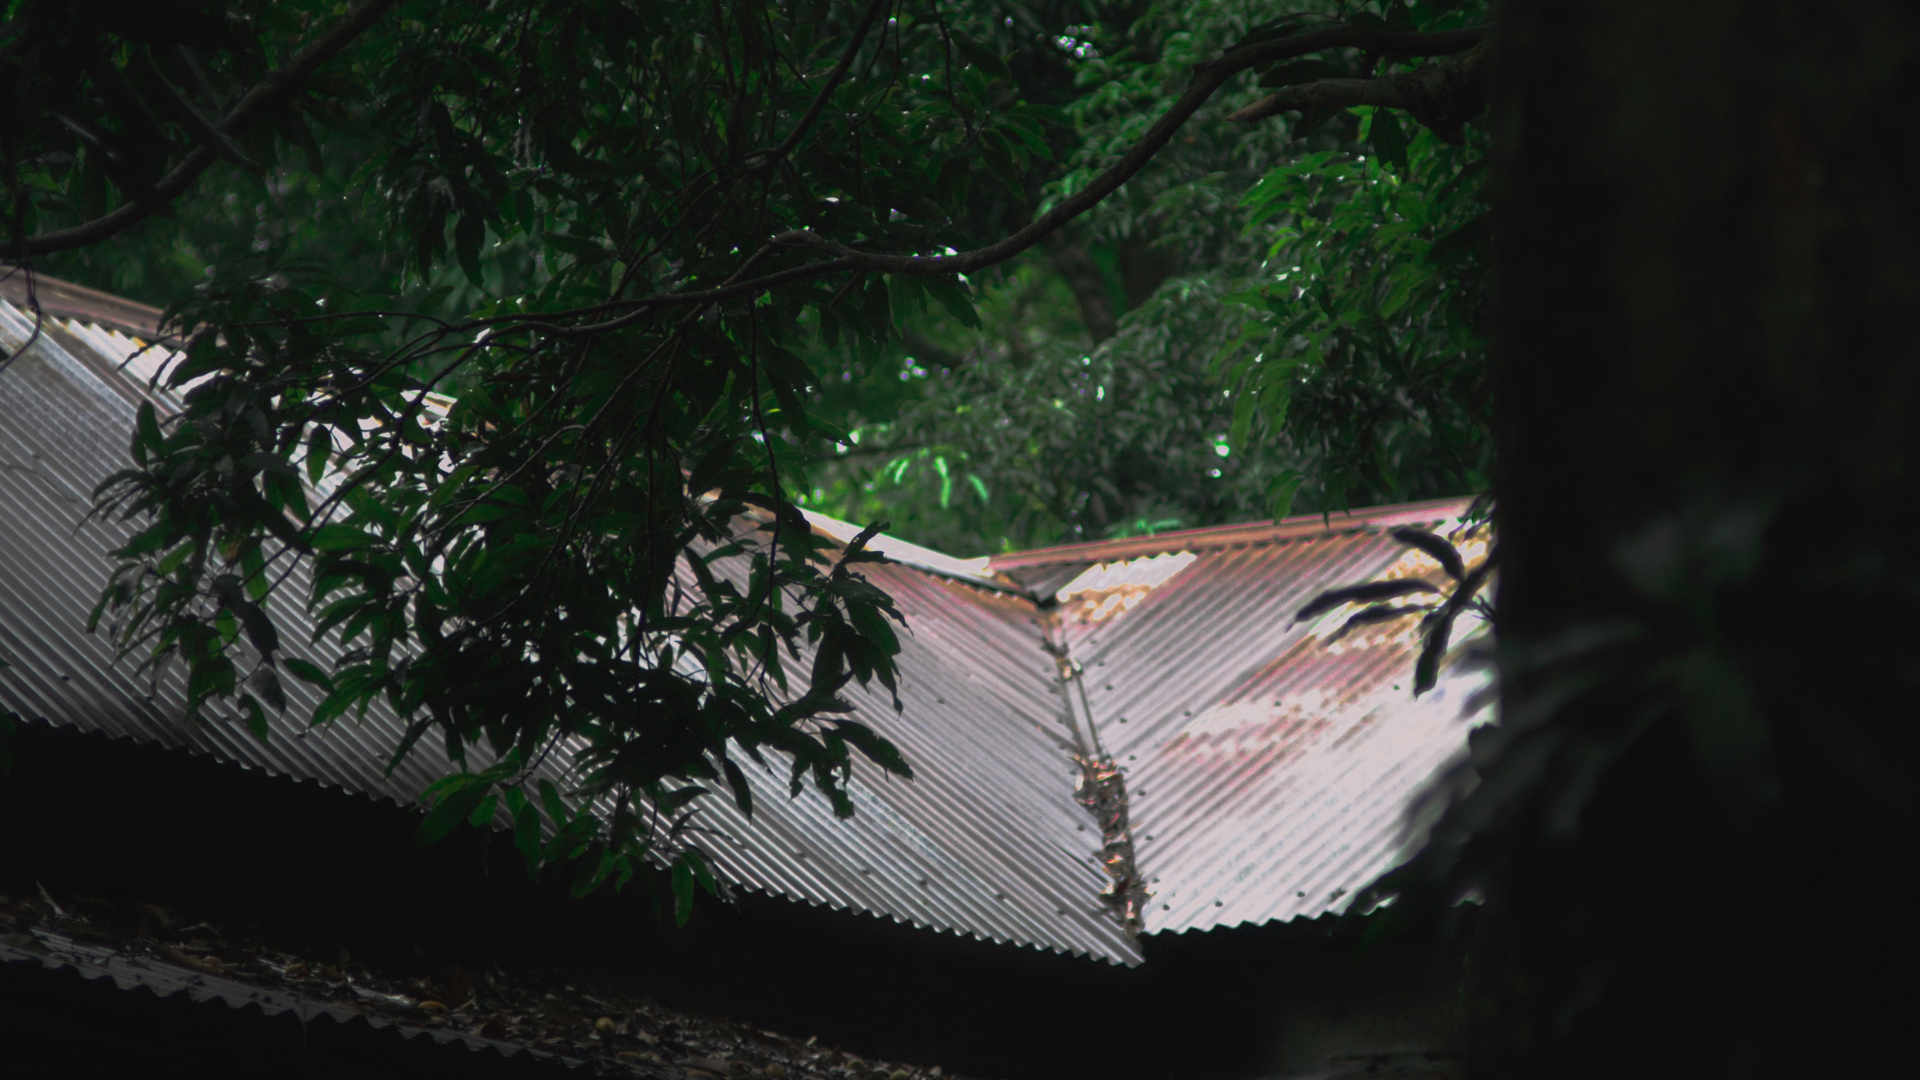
269,94
1208,77
765,158
1442,96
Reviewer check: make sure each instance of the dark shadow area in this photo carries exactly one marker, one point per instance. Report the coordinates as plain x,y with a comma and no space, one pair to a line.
55,1023
315,865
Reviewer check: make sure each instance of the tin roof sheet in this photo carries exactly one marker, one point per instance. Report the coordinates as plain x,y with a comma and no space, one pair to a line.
66,300
1268,769
94,961
988,842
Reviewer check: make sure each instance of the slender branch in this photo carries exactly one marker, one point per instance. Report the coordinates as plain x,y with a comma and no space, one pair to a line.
1326,94
269,94
1441,96
766,158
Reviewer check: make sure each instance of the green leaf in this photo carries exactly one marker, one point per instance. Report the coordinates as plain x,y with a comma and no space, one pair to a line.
592,874
1389,138
737,780
989,62
1284,486
256,717
550,798
1397,295
585,251
526,828
702,872
683,883
336,537
147,428
482,815
319,446
453,807
308,672
468,234
952,295
876,748
173,559
1461,243
482,513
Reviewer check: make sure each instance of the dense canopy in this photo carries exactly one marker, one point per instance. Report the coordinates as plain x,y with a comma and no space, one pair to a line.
527,328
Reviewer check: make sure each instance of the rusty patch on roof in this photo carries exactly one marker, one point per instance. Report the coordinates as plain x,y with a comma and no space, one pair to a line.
1102,789
1105,590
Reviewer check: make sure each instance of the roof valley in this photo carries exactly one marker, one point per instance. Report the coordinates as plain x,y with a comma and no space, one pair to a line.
1100,786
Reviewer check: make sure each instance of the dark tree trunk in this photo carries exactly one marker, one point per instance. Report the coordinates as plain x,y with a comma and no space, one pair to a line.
1708,266
1070,258
1144,267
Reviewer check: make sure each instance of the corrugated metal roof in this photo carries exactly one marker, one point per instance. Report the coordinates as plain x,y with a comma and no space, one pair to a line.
1267,771
987,838
94,962
988,842
66,300
65,424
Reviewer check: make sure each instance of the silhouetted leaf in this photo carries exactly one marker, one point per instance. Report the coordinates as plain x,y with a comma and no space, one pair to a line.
452,808
1373,590
1375,615
1435,546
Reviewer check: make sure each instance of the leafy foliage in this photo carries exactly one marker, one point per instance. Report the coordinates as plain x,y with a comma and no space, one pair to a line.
523,328
1366,349
554,559
1034,436
1437,619
1031,430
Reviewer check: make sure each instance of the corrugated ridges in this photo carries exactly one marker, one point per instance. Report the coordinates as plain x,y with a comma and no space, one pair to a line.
1262,763
987,837
984,843
92,962
64,428
1268,771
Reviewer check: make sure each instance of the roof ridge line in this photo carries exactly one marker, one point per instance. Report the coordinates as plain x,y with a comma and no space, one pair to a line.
1294,528
65,299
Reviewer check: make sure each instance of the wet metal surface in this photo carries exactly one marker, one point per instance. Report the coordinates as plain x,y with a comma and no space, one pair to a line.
1268,770
988,842
1103,733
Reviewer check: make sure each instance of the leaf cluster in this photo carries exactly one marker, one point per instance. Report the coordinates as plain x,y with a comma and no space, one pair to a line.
1364,348
548,529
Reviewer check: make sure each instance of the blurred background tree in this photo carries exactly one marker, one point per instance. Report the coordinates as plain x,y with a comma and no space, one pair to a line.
1095,396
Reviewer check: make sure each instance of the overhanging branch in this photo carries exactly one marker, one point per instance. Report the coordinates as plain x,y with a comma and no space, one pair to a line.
271,92
1441,95
1208,78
